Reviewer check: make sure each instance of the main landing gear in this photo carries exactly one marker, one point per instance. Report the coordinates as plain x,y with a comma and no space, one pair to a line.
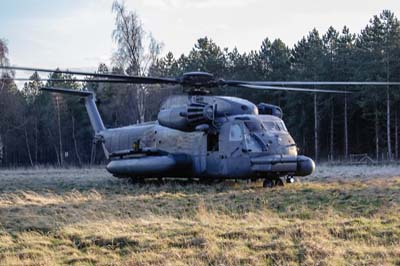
290,179
273,182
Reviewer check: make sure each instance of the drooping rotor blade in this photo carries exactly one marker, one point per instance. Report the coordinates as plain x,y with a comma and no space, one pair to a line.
260,87
67,91
310,83
128,79
76,80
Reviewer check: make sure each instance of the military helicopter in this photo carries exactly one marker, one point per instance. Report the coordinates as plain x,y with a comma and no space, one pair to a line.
199,135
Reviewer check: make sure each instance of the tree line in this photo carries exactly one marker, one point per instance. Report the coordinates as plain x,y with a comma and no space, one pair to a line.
42,128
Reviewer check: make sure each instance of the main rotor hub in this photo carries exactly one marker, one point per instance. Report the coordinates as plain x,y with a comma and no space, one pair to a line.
199,79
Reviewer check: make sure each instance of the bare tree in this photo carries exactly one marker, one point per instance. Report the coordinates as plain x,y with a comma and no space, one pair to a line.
316,124
137,51
60,143
28,148
3,53
346,131
332,129
75,141
1,150
396,136
3,62
376,133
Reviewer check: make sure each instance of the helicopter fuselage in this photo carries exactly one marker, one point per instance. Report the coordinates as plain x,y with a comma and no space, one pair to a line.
245,146
210,137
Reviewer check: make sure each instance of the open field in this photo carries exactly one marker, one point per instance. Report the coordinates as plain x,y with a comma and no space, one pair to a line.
338,216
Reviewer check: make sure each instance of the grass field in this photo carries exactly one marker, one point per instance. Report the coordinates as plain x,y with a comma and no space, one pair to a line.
338,216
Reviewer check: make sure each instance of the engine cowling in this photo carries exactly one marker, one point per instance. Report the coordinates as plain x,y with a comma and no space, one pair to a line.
196,112
187,118
269,109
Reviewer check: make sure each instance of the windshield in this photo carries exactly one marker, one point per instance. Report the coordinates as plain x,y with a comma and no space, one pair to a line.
254,126
275,125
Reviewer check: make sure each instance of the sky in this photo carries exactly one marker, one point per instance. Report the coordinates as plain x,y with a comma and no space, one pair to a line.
77,34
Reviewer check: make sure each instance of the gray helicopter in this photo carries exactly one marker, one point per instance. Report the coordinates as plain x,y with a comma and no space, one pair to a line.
199,135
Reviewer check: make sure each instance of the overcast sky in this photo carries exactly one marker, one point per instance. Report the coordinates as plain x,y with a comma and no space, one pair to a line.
76,34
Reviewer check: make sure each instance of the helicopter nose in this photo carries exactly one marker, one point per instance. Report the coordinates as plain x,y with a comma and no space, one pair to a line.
305,166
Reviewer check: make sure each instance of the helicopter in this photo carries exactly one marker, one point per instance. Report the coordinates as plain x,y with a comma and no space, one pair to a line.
198,135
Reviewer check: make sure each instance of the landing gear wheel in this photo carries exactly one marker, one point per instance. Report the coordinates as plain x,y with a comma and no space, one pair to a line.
290,179
279,182
269,183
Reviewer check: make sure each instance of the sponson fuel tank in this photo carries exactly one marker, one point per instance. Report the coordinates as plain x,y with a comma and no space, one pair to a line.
148,166
295,165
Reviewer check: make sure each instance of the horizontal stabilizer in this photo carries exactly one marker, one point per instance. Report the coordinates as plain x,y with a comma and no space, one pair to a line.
68,91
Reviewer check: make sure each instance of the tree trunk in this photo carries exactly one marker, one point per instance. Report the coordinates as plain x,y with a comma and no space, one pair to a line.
389,144
315,128
389,141
346,132
303,132
332,129
1,150
36,141
396,136
54,146
141,93
28,149
376,134
61,152
93,153
75,142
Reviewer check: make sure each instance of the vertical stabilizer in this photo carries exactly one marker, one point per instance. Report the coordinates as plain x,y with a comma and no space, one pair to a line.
93,112
90,104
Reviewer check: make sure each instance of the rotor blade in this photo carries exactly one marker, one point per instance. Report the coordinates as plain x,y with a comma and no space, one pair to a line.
131,79
299,83
77,80
67,91
260,87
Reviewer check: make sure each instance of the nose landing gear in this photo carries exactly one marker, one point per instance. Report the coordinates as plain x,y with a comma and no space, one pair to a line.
290,179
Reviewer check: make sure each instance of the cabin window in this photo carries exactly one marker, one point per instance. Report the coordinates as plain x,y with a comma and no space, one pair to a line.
235,133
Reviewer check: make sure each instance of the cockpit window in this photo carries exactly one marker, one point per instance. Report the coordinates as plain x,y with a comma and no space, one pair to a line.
271,126
254,126
283,126
275,126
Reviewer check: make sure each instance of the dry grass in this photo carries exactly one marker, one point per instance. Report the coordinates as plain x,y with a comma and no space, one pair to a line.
339,216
